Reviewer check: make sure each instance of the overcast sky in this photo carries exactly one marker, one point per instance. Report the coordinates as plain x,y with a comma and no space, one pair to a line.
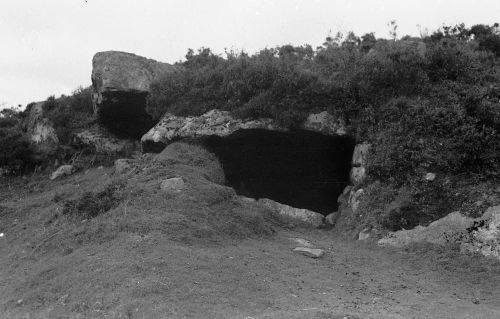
47,46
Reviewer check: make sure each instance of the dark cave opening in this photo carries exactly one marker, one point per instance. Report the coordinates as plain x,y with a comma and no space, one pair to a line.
124,114
300,168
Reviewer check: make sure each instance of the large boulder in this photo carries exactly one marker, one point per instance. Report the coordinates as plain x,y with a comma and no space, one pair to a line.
221,123
121,83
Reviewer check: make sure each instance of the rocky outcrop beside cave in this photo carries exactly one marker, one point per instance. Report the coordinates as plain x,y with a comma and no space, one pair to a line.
40,129
102,141
121,83
221,123
359,163
449,229
480,235
352,196
485,234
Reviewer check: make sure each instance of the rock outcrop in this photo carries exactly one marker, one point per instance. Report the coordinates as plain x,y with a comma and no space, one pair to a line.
485,234
104,142
355,199
449,229
325,123
215,122
352,196
359,162
40,129
480,235
121,83
221,123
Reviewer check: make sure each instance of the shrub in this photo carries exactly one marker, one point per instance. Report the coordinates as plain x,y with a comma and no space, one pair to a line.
69,113
487,37
420,136
451,59
273,83
16,154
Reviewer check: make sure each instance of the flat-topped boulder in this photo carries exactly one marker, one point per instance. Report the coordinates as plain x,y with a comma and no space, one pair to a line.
221,123
121,83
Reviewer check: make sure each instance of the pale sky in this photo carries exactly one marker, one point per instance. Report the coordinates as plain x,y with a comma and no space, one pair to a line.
47,45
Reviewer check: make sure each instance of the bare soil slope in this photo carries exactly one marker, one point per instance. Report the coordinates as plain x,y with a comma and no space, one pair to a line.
205,253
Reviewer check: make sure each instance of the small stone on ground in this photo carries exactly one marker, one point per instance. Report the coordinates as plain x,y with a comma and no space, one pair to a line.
62,171
173,185
302,242
310,252
331,219
364,234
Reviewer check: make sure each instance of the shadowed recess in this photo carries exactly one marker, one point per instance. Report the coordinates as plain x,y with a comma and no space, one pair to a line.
302,169
123,114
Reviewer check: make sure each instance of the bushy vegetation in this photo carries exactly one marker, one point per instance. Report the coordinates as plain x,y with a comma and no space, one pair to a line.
348,75
427,104
69,113
16,154
66,114
274,83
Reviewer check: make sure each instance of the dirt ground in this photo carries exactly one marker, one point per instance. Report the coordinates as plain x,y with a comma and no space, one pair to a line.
149,277
125,264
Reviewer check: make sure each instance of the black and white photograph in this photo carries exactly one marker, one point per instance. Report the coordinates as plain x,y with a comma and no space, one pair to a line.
249,159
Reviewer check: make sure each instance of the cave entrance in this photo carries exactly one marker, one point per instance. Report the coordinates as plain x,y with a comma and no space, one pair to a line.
300,168
124,114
